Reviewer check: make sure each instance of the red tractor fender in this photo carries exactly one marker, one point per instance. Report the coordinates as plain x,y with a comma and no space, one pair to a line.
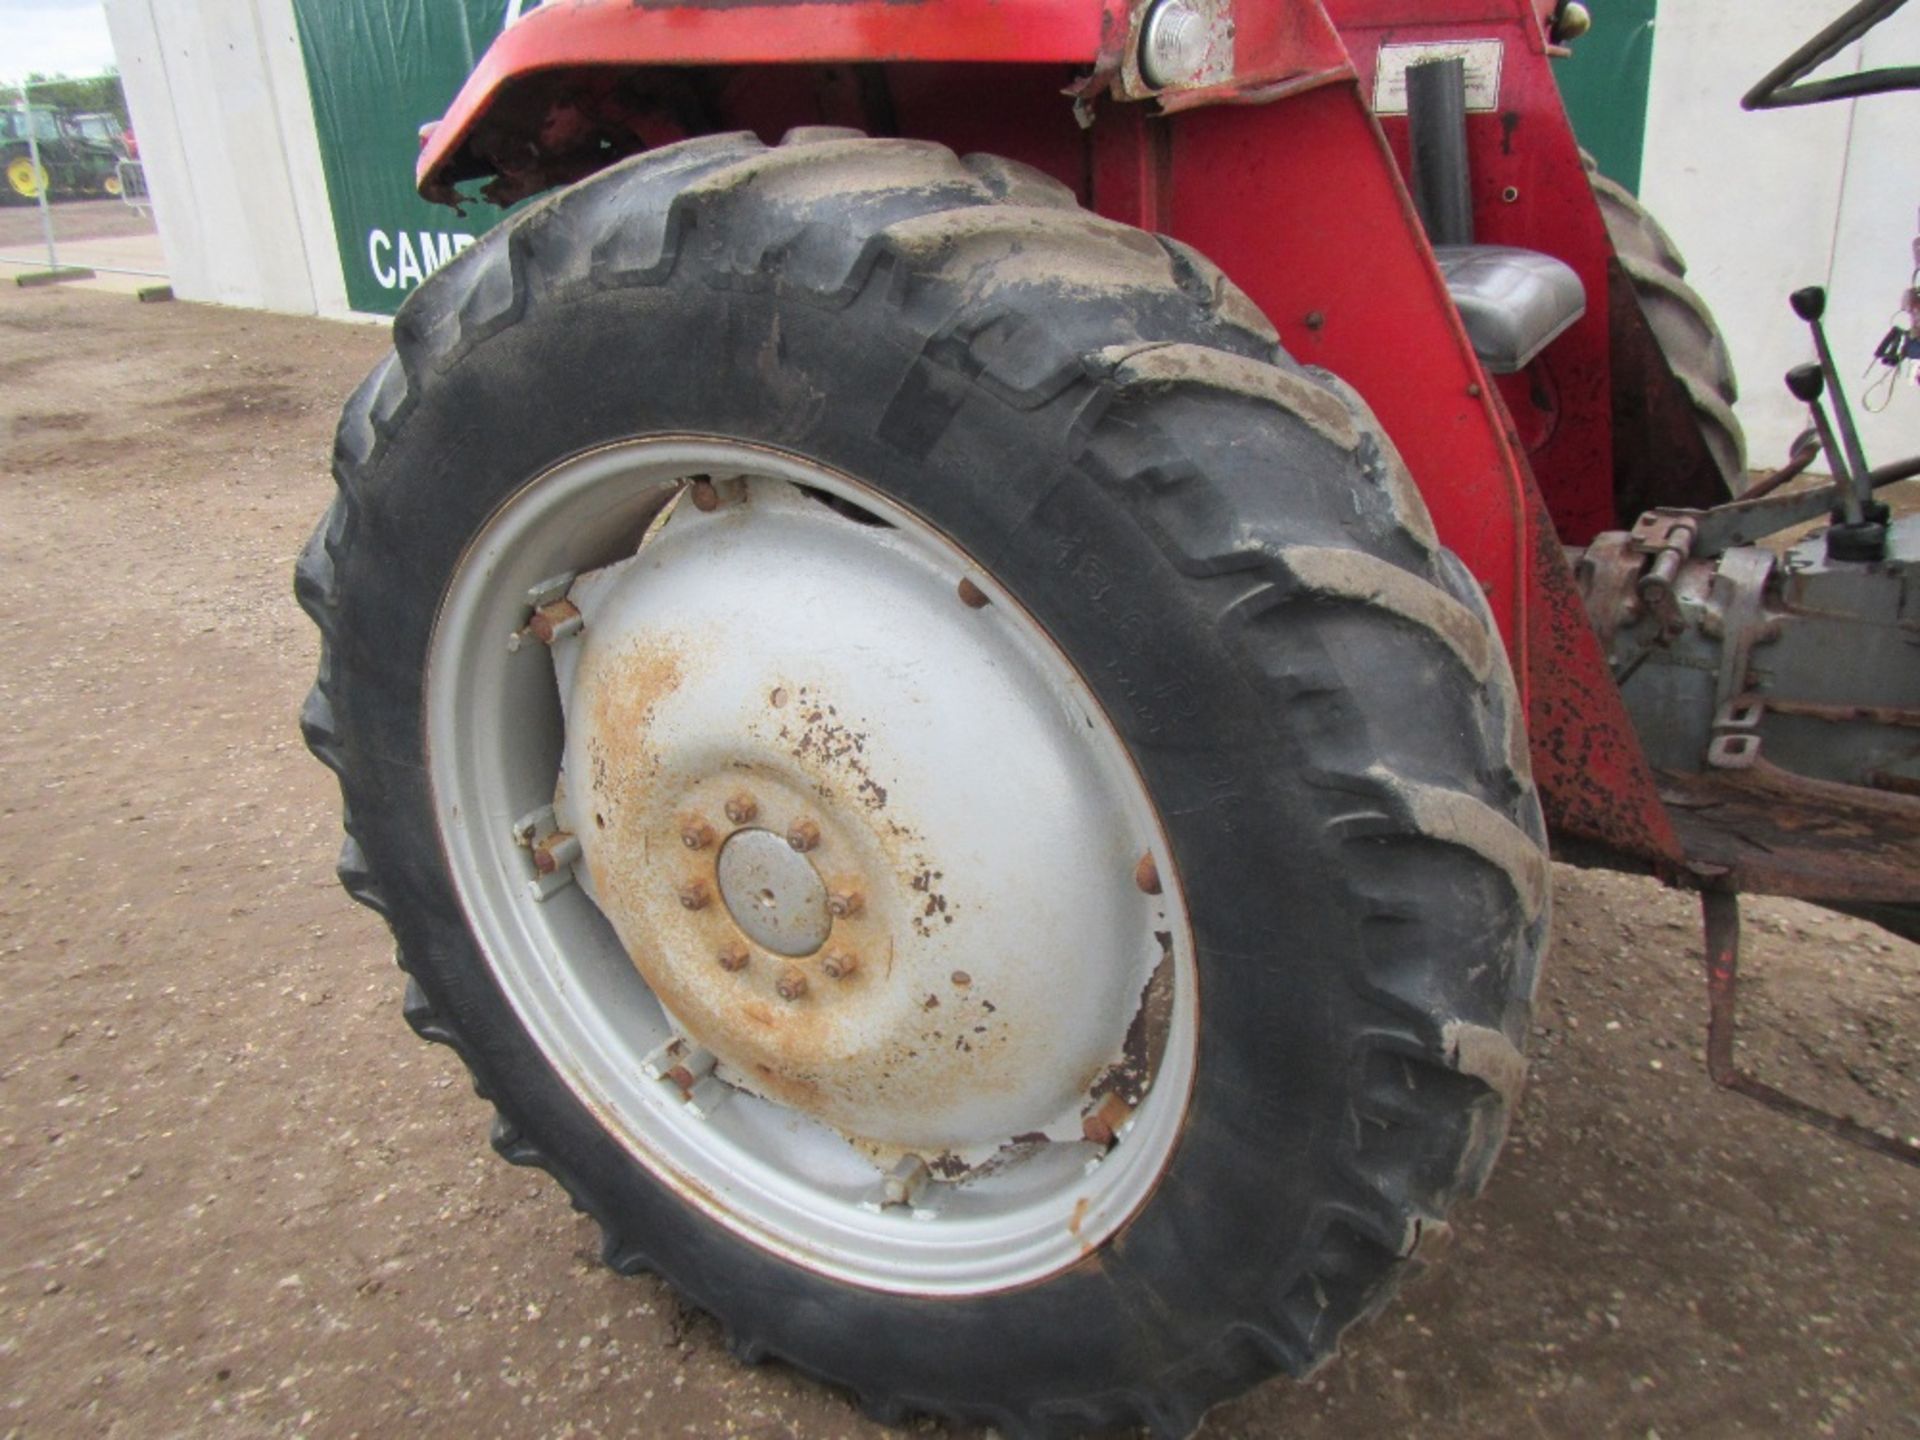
1271,50
622,35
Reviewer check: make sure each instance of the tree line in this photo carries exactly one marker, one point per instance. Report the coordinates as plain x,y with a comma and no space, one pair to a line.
87,94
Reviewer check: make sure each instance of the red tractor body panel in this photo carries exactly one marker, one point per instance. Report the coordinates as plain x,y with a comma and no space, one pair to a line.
604,35
1282,173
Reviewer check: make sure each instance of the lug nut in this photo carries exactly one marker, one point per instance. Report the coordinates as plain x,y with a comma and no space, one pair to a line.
555,852
696,1066
742,808
792,985
1147,874
843,904
803,835
1103,1125
695,832
905,1183
972,596
705,497
839,966
694,894
733,958
555,620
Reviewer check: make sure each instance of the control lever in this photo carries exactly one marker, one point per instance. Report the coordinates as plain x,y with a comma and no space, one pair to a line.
1810,305
1807,382
1859,532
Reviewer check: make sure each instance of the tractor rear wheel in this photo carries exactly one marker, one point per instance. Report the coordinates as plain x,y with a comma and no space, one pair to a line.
1688,334
941,785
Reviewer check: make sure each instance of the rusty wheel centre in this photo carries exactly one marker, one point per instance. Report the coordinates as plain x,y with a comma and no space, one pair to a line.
812,864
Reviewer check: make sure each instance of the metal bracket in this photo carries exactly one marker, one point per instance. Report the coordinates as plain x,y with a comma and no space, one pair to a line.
1741,578
1736,734
1667,539
552,850
1721,912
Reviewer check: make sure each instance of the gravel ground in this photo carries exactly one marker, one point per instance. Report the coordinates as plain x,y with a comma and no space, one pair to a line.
73,220
242,1200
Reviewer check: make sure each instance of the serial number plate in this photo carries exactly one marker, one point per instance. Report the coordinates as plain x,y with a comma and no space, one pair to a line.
1483,72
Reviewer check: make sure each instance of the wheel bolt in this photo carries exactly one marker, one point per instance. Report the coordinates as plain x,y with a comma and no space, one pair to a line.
742,808
695,832
905,1183
1147,875
792,985
555,852
733,958
803,835
972,596
839,966
843,904
695,894
690,1071
555,620
1103,1125
705,498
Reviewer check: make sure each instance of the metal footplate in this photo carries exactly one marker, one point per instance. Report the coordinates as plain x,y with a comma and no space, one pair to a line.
1515,302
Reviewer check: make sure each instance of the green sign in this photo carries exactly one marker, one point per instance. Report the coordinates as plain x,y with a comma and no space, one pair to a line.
378,70
1605,85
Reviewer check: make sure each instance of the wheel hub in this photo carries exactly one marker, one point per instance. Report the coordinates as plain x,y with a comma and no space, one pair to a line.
773,893
777,698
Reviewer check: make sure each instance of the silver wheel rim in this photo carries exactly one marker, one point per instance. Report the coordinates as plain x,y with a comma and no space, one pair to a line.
505,714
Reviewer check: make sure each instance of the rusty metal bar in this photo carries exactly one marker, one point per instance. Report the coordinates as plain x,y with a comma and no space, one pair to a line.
1721,911
1848,714
1768,831
1792,470
1887,780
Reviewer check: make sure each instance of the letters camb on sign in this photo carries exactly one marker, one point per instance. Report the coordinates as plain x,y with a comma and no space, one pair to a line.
377,70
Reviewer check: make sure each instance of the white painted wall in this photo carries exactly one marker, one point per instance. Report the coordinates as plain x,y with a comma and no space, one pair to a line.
1762,204
218,95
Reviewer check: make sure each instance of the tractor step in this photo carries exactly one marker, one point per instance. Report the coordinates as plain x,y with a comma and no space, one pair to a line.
1721,911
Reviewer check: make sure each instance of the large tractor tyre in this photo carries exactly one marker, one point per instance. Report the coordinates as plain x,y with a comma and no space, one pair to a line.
21,181
939,782
1689,336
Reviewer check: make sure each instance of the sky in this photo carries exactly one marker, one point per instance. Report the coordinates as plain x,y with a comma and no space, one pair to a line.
53,36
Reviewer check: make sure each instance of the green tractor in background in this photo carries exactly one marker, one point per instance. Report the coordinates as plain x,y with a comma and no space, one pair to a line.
74,160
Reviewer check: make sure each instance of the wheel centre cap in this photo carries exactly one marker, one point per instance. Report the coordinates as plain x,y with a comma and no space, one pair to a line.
773,893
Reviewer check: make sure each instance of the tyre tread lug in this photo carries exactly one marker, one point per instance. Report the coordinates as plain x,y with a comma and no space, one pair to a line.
1680,319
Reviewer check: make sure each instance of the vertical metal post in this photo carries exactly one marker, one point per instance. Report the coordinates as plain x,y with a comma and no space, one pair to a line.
1721,909
41,178
1437,133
